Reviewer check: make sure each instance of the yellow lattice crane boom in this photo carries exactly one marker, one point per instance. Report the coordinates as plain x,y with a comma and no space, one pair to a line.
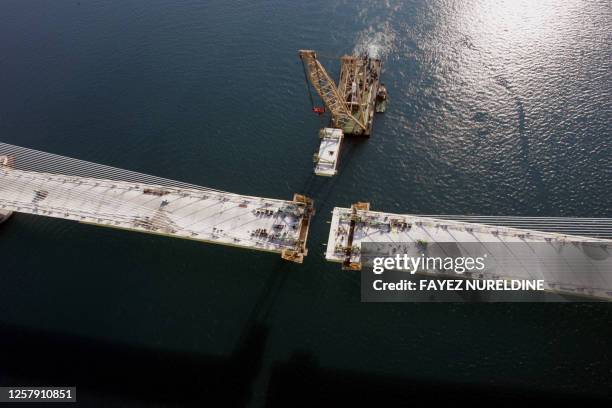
342,116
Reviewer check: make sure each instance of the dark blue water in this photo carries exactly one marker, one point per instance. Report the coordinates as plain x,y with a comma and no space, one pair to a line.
496,108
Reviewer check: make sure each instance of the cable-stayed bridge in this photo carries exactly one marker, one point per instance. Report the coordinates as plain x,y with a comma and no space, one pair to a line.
44,184
49,185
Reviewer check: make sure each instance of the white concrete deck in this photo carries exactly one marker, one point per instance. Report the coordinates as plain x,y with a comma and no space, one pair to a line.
326,160
373,226
202,215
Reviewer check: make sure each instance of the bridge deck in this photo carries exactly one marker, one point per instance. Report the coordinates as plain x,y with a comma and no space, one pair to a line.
203,215
570,255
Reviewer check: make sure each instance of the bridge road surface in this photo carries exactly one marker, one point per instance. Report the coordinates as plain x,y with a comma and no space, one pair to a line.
202,215
568,264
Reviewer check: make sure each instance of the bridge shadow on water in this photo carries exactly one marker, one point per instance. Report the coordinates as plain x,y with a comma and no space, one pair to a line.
110,374
107,373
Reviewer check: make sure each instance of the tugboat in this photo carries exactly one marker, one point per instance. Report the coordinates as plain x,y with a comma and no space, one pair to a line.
381,99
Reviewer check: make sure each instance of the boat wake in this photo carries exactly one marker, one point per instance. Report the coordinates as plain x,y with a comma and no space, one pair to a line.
380,35
376,42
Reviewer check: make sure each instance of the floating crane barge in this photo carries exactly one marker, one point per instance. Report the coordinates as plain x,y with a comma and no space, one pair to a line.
352,103
203,215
